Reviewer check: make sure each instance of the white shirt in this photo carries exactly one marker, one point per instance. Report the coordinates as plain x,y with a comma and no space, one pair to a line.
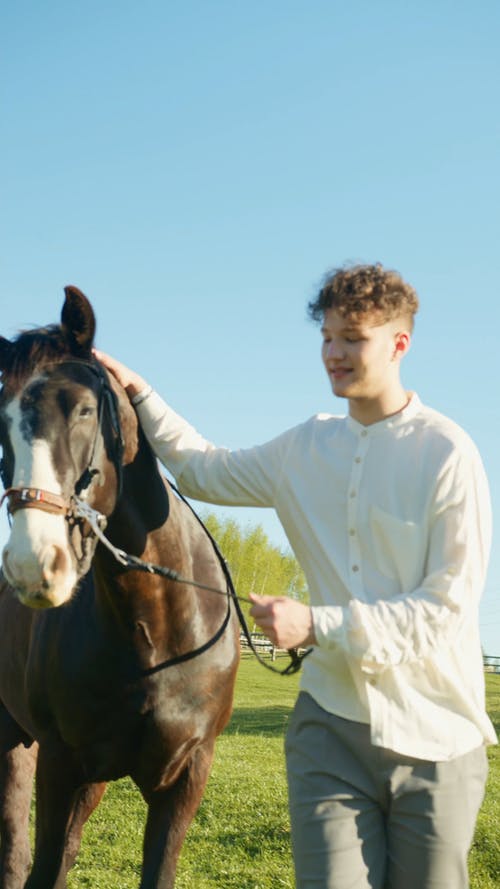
391,524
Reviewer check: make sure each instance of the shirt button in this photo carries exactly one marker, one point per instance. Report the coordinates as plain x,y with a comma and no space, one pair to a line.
352,532
357,460
352,494
355,567
364,433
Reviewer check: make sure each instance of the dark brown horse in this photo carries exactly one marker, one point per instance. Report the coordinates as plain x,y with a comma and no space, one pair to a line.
105,671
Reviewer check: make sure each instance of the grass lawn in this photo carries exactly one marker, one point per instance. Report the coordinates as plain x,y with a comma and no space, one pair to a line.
240,837
485,854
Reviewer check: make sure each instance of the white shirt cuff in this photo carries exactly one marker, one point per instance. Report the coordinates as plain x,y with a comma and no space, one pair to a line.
328,624
141,396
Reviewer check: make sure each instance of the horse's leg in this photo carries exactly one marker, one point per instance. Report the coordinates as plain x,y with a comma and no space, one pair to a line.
62,808
87,799
170,813
17,767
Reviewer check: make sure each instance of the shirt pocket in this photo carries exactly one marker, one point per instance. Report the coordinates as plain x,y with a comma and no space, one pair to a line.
398,548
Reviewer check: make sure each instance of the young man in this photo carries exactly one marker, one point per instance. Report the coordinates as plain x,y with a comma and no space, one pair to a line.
387,509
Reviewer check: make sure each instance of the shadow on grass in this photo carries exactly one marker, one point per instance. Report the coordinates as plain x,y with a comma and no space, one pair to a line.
270,721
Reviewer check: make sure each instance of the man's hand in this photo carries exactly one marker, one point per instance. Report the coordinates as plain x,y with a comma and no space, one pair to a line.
288,624
131,382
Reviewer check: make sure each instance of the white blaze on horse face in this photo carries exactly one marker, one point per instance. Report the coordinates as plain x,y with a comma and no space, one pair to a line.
36,560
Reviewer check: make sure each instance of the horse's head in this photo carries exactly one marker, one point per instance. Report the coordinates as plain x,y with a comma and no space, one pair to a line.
61,440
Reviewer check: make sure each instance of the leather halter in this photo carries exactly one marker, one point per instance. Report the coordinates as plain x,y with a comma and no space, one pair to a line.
34,498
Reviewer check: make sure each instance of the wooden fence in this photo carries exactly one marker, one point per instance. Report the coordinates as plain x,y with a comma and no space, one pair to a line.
491,663
261,644
264,646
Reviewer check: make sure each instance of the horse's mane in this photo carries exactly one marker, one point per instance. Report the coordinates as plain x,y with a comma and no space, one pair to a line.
32,350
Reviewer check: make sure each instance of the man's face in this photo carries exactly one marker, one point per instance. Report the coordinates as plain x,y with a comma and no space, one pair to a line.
361,356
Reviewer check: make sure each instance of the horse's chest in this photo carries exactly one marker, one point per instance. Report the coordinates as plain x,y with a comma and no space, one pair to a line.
111,726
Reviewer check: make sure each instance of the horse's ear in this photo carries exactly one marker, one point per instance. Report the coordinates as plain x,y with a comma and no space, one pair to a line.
6,353
78,321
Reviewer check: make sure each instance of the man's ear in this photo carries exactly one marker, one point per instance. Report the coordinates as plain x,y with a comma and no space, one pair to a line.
402,342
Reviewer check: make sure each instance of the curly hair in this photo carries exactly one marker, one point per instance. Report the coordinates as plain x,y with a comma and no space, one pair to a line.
361,290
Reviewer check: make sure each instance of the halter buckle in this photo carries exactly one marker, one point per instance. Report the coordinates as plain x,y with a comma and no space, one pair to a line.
30,495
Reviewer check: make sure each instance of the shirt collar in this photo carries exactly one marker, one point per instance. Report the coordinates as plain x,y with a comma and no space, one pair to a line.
409,411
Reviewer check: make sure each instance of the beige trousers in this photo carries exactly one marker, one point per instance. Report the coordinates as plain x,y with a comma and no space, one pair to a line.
366,818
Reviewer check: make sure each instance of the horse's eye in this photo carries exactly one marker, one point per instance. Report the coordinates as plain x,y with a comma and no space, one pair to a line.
86,411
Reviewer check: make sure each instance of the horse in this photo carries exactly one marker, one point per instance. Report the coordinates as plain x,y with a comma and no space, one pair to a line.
106,670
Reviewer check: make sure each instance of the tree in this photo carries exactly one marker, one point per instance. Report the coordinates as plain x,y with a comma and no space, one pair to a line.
256,565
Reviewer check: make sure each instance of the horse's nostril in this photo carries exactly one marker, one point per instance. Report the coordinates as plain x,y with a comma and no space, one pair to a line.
54,561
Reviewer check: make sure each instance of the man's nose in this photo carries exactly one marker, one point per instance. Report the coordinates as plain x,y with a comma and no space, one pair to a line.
334,349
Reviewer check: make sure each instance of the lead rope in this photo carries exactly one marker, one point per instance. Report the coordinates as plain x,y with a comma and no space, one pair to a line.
97,522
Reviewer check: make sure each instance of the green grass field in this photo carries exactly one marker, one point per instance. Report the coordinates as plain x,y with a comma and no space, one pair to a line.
240,837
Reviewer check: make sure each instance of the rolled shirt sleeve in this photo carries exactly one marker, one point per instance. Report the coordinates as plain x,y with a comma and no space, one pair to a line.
420,622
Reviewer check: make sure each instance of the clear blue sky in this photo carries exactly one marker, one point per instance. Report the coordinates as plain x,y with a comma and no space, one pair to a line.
196,167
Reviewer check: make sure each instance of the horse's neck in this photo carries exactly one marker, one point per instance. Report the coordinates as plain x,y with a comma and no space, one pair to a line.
146,523
154,615
143,507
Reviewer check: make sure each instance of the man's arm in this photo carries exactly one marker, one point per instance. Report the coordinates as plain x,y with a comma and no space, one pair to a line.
246,477
428,619
413,625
